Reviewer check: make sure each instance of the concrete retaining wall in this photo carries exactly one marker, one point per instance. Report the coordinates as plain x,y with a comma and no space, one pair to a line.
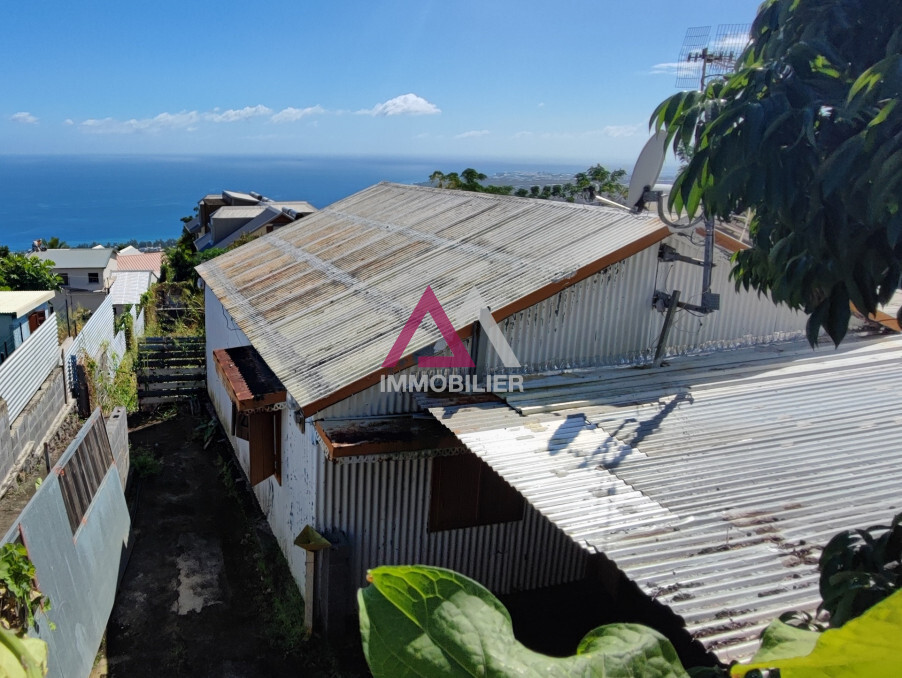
34,424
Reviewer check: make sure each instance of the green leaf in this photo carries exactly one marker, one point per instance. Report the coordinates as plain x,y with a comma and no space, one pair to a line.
866,647
22,657
427,621
781,641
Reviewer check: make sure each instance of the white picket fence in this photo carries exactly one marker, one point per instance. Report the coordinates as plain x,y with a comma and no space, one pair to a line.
22,374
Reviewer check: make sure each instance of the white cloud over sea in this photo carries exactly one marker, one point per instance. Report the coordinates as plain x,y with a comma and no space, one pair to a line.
472,133
406,104
24,118
291,114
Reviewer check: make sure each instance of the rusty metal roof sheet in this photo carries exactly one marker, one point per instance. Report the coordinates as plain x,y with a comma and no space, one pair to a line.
149,261
712,482
324,299
247,378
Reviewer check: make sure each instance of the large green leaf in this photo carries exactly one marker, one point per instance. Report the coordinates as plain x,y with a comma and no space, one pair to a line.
865,647
22,657
428,621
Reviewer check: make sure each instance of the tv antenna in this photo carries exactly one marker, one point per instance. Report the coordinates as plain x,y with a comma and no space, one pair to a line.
700,59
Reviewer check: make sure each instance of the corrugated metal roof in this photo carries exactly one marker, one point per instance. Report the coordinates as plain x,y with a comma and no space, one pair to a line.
19,303
129,286
324,299
77,258
151,261
711,482
239,212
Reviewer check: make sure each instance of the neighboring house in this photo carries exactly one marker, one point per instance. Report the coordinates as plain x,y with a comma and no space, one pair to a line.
21,313
223,218
299,322
87,275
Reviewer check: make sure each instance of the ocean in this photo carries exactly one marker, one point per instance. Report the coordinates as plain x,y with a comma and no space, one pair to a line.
84,199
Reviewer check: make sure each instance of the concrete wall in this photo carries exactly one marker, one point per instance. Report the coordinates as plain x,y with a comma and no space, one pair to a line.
34,424
288,506
117,432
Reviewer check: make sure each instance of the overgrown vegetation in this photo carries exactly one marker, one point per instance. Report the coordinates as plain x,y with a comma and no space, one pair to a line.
586,186
111,385
173,309
20,597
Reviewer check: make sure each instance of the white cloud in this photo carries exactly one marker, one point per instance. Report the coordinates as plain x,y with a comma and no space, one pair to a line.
523,135
183,120
620,130
24,117
541,104
234,115
406,104
68,121
158,123
472,133
291,114
669,68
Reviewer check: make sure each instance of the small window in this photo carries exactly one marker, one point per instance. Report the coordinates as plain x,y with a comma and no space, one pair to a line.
93,278
65,277
265,443
36,319
466,492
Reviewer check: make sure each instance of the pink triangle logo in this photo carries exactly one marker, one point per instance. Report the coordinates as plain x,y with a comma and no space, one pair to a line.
429,303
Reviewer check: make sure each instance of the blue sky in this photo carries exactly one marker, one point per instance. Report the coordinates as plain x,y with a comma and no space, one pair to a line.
573,81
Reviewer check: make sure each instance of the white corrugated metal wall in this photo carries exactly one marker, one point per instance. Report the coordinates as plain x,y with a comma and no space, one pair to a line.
608,318
383,508
22,374
290,506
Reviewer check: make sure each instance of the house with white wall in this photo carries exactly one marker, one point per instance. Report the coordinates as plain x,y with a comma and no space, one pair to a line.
87,275
301,324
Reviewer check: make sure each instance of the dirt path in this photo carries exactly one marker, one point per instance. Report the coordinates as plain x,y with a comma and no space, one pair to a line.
204,592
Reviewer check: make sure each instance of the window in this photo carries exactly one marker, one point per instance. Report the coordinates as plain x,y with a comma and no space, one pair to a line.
466,492
36,319
265,442
93,278
83,473
65,277
263,432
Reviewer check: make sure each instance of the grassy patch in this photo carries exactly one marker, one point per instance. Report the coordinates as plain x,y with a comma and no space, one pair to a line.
144,462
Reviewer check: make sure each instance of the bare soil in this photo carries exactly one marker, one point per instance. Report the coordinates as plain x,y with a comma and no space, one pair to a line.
34,470
205,585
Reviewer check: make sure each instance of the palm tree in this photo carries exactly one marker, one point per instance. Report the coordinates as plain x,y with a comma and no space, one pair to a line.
438,178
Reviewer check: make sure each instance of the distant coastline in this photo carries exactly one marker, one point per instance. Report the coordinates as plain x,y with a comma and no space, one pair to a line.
85,199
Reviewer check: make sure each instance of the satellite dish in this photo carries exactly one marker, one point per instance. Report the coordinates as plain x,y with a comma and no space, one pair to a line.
648,168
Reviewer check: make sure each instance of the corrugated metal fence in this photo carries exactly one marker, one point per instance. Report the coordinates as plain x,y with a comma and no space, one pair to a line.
100,332
90,544
29,365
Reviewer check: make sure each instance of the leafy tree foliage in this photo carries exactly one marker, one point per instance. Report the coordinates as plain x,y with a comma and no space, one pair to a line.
21,272
597,180
807,134
4,251
55,243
